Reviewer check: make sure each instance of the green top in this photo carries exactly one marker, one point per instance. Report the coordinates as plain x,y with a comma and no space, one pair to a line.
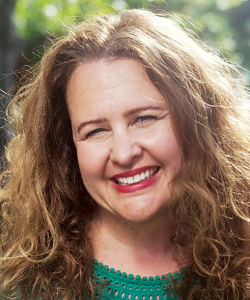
123,286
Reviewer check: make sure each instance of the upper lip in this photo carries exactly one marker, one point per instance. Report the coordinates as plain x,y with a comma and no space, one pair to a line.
133,172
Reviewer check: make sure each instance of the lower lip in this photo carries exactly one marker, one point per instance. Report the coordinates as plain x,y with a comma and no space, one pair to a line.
135,187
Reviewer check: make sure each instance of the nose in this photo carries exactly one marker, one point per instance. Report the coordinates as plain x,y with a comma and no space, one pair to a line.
124,149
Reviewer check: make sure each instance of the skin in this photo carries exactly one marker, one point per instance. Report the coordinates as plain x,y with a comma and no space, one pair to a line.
120,123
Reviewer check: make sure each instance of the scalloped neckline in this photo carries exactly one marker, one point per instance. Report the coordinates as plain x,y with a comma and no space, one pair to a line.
138,277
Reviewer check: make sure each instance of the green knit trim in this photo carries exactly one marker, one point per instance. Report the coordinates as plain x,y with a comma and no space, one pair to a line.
120,285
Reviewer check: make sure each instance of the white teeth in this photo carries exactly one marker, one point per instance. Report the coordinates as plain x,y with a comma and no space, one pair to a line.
130,180
138,177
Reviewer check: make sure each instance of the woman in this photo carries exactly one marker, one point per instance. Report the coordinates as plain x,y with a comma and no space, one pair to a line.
131,151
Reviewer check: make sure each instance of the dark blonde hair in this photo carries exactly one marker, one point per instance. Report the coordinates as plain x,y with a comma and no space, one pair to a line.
45,249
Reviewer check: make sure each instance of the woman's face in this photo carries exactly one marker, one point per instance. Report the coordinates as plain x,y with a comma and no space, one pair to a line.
127,150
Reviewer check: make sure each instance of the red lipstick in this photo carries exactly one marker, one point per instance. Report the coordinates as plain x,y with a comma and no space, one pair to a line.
133,172
130,188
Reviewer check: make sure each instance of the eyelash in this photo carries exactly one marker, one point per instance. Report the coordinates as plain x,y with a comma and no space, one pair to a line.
141,119
145,119
93,132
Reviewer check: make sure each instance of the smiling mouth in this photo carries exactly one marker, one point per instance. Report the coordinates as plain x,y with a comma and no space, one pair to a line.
142,176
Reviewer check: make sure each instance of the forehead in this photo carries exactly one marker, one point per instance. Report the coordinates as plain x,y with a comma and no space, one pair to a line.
102,80
90,75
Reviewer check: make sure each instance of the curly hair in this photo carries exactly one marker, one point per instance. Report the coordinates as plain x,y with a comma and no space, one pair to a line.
46,211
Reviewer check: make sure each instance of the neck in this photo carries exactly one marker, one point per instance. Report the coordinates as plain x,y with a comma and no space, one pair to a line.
142,248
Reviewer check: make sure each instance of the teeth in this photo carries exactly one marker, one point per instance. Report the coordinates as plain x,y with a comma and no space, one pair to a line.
138,177
130,180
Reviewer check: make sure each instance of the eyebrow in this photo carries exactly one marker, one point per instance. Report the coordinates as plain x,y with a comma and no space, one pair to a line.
127,113
135,110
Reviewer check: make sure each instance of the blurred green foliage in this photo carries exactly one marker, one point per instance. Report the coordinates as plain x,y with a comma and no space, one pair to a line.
224,24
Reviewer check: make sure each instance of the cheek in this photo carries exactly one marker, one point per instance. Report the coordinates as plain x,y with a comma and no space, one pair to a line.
91,162
165,147
169,154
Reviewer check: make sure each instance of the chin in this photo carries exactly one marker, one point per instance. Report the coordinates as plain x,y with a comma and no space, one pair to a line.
138,217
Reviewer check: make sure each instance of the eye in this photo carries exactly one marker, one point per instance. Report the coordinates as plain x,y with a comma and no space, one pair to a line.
95,133
145,119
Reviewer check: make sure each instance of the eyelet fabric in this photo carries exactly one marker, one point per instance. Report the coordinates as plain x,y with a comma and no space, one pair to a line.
120,285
